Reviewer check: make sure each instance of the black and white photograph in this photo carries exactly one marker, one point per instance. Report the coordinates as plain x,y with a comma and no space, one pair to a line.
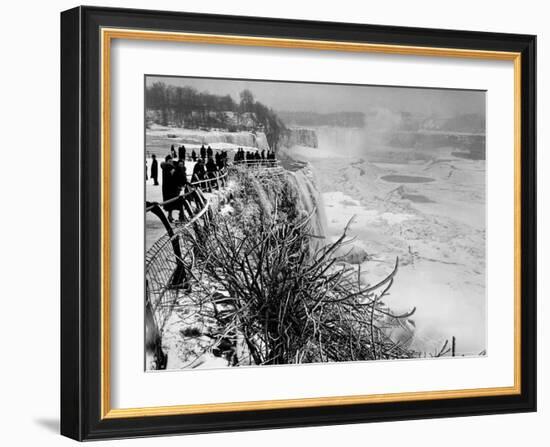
295,223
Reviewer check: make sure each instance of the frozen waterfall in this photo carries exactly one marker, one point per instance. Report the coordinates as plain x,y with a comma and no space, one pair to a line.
309,199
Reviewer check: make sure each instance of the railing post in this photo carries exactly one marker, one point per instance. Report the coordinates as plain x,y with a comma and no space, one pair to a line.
153,336
187,208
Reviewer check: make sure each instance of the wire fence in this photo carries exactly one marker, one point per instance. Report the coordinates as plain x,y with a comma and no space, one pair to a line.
165,262
213,180
167,259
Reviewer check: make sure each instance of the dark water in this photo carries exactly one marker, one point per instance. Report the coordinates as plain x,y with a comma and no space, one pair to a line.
398,178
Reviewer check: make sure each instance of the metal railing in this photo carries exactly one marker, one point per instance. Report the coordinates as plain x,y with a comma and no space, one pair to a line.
218,178
167,261
262,162
165,270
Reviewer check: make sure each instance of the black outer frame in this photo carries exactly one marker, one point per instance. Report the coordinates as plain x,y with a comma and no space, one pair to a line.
81,219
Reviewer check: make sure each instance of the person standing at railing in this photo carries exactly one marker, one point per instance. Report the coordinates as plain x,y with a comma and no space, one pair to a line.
193,155
181,173
263,154
210,165
198,171
182,182
181,153
220,159
203,152
209,152
170,187
172,152
154,170
237,156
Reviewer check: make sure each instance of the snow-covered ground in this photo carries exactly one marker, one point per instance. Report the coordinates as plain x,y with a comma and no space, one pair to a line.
436,228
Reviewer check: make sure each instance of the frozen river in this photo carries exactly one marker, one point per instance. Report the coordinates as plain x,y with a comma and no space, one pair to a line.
430,214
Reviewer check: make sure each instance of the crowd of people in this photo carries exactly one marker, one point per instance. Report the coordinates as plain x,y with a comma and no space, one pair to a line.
208,164
207,167
174,174
250,156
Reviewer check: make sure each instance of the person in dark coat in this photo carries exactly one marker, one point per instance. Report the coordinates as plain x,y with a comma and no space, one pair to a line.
220,161
209,152
154,170
198,171
203,152
181,173
263,154
172,152
193,155
182,182
170,187
181,153
211,165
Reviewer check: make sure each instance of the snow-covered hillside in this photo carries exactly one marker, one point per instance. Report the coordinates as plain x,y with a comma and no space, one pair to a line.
160,138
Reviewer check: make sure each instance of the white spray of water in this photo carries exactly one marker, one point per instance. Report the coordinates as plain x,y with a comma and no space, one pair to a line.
352,142
309,199
341,141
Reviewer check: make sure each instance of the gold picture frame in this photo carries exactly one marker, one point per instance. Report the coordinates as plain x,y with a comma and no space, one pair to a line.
106,32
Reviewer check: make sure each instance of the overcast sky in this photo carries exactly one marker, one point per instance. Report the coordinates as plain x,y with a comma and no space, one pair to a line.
326,98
